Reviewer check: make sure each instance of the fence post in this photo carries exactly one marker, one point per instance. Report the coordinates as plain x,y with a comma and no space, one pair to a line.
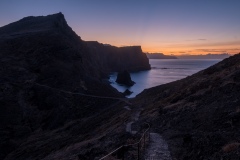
138,151
123,148
149,135
144,142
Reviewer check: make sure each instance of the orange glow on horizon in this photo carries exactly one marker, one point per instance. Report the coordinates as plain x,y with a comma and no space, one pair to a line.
188,49
170,47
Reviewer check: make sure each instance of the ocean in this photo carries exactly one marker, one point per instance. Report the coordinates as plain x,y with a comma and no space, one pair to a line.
163,71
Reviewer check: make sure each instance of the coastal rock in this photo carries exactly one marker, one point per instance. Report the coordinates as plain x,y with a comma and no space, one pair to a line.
125,78
127,92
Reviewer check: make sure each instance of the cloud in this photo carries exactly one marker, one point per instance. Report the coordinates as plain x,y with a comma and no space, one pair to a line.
211,50
200,39
234,49
218,50
212,44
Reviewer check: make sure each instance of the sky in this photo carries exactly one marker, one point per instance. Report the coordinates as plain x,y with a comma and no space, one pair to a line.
159,26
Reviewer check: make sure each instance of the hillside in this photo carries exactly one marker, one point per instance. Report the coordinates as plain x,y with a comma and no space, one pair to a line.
50,91
198,115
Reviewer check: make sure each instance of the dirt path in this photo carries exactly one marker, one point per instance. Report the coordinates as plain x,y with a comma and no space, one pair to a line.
134,118
157,149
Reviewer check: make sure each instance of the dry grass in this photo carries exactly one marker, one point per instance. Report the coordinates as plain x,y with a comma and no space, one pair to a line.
230,147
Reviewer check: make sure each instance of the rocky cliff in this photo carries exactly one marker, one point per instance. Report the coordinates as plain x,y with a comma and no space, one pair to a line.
115,59
198,115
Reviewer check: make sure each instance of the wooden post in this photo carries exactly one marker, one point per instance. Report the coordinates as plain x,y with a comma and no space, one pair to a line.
123,151
138,152
149,136
144,142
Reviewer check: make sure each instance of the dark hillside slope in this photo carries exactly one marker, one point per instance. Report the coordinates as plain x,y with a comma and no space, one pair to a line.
199,115
41,62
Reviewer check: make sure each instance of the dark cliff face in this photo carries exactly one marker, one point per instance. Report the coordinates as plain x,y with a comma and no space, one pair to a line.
199,115
115,59
42,64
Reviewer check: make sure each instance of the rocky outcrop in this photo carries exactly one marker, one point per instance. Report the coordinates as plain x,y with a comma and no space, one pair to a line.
198,115
124,78
116,59
127,92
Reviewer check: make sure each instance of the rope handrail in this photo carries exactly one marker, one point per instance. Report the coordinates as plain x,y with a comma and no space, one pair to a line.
77,93
140,138
94,96
127,144
82,94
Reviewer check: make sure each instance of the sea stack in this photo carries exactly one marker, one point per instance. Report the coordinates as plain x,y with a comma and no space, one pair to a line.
124,78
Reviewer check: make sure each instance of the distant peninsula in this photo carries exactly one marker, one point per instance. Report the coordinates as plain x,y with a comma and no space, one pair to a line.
159,56
188,56
206,56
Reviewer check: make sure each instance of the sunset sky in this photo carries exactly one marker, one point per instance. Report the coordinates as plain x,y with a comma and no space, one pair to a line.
166,26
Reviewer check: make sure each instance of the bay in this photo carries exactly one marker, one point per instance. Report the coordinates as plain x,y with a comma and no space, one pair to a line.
163,71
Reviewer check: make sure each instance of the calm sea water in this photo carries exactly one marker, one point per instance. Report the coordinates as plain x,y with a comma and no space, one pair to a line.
163,71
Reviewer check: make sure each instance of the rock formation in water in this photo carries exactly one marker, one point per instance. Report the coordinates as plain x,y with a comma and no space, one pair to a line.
198,115
116,59
124,78
127,92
